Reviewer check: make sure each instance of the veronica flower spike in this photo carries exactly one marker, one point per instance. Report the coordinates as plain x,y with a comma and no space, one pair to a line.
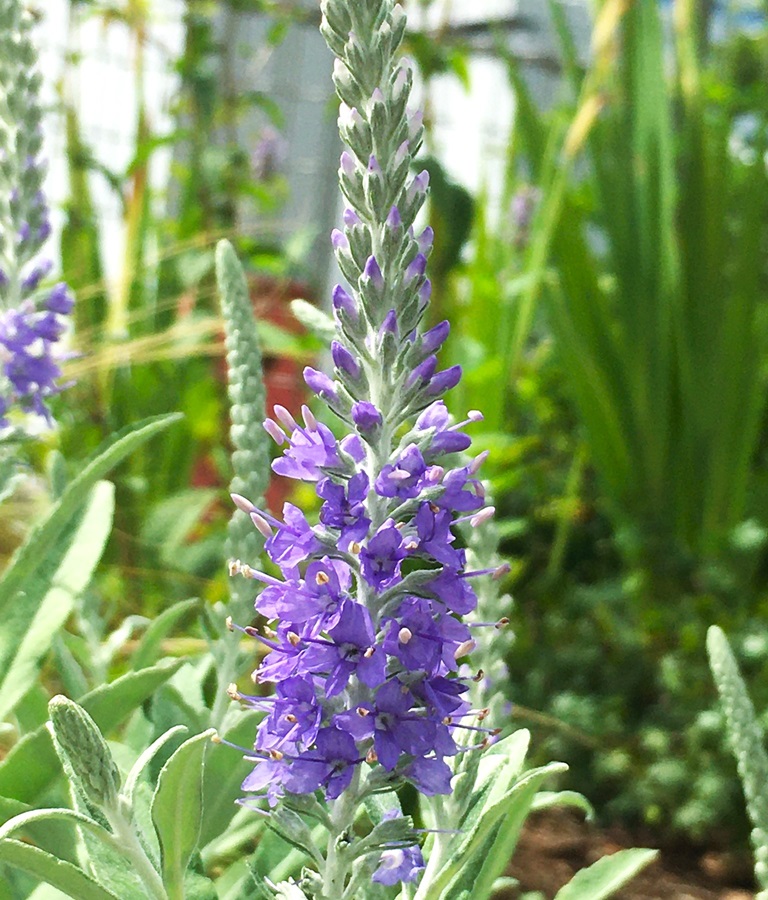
32,318
367,631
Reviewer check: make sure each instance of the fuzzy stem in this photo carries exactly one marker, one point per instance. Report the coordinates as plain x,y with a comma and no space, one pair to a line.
130,846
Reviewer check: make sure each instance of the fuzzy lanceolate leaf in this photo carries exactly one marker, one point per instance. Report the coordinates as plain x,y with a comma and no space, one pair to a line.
69,879
30,624
250,459
31,766
748,744
45,535
84,752
177,810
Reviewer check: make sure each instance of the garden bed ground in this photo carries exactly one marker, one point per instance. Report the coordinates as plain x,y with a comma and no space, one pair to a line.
556,844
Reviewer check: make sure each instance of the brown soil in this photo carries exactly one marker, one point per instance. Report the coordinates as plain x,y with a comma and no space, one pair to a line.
556,844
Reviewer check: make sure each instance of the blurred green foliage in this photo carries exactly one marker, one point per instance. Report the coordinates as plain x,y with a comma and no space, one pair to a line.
612,324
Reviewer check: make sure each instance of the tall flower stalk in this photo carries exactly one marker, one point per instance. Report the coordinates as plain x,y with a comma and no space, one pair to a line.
32,320
368,632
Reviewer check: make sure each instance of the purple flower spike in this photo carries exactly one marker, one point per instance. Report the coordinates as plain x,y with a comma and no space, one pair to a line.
366,642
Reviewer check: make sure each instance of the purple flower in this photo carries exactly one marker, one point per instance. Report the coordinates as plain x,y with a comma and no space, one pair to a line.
433,528
294,718
430,776
380,558
403,479
399,865
344,508
329,765
351,649
269,774
309,450
293,541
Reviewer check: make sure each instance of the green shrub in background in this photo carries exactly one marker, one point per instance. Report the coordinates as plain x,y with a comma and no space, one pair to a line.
625,354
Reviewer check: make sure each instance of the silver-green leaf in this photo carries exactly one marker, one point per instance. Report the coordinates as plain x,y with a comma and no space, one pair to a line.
177,809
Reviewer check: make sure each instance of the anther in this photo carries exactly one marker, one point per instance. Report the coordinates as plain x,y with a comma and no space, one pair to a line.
404,635
464,648
261,524
479,677
293,639
286,418
243,503
483,516
309,418
322,578
233,693
276,755
371,756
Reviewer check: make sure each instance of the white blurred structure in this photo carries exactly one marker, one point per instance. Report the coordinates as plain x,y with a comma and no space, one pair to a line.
102,89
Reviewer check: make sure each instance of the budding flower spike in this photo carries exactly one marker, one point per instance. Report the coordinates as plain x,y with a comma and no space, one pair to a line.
32,318
368,616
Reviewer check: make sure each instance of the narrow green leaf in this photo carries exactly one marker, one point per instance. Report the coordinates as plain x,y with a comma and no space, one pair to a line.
33,816
145,759
32,765
148,651
548,799
177,809
603,878
492,847
483,821
314,320
45,866
44,536
66,583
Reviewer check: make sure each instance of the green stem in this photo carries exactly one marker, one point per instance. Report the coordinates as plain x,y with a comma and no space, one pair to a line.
336,863
130,846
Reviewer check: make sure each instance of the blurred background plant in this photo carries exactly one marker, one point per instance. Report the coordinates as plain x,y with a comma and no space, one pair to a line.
614,313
